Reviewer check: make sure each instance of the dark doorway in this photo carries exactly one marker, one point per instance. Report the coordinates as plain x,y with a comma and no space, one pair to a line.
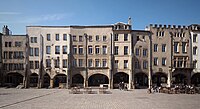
196,79
179,79
60,78
120,77
141,80
14,79
46,80
77,80
33,80
97,79
159,78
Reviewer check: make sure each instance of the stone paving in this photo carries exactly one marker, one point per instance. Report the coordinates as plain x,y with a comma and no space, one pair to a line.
61,99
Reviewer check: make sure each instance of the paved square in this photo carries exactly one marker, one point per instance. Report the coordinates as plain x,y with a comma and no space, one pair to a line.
61,99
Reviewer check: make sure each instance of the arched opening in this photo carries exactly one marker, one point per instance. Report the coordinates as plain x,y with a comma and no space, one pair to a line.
97,79
196,79
77,80
46,80
141,80
120,77
60,78
159,78
14,79
33,80
179,79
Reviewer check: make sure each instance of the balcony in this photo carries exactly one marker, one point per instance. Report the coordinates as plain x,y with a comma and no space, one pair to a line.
184,66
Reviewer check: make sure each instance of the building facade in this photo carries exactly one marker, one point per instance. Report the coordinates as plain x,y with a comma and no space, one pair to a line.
84,56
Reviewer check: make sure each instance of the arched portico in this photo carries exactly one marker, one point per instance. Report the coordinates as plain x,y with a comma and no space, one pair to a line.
33,80
77,80
159,78
196,79
97,79
141,80
59,78
120,77
46,80
179,79
14,79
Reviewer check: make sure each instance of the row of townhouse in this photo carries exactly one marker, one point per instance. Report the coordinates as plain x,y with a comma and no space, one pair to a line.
65,56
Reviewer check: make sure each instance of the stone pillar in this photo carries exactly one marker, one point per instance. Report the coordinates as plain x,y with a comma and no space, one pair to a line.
51,83
150,79
130,80
110,80
169,79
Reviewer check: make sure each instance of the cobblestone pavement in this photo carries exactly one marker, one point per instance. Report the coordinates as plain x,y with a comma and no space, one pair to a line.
61,99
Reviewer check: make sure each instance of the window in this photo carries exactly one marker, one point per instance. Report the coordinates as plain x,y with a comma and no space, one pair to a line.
89,49
195,63
163,33
16,55
97,63
57,49
64,49
90,38
143,37
10,55
176,47
125,50
137,51
10,44
138,38
48,49
155,47
163,61
10,66
74,50
116,37
137,65
48,62
64,63
145,52
104,38
5,66
104,49
21,54
31,65
31,51
155,61
116,50
57,63
104,61
36,64
80,50
74,38
21,66
6,44
184,47
18,44
97,50
5,55
125,64
194,50
90,62
180,62
125,37
116,63
48,37
80,62
97,38
80,38
36,51
163,47
74,63
145,64
64,37
57,37
195,38
33,39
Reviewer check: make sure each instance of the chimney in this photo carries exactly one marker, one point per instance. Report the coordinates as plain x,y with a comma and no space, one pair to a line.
5,30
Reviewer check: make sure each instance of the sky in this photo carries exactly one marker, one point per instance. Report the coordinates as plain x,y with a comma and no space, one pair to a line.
18,14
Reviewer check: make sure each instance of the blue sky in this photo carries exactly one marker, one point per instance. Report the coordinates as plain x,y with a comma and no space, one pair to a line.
19,13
